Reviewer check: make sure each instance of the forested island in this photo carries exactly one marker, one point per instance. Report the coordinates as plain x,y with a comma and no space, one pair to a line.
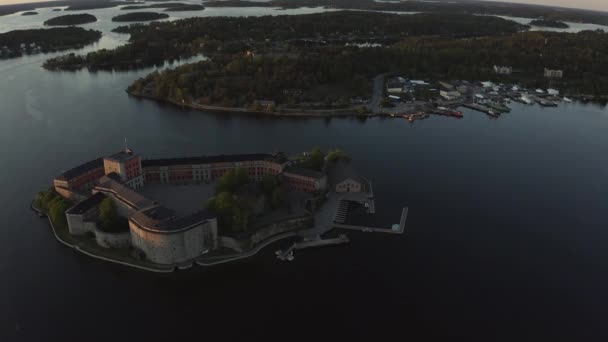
19,42
140,16
549,23
71,19
315,62
29,13
162,41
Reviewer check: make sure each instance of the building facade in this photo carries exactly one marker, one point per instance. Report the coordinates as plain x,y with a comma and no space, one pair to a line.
554,73
503,70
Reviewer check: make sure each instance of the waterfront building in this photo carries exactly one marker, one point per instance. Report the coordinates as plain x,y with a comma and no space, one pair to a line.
351,184
158,233
127,165
305,180
449,95
503,70
75,182
553,73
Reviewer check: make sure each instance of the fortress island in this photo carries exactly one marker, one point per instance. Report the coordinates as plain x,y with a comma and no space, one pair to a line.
167,214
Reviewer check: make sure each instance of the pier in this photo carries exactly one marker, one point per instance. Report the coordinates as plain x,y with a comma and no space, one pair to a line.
400,229
318,242
481,108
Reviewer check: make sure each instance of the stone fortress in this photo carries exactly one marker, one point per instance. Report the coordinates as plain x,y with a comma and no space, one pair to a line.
157,232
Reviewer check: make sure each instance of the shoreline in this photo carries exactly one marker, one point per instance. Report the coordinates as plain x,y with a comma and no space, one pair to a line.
322,113
200,261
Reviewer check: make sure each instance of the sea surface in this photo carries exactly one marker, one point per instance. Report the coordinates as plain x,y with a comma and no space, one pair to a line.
506,235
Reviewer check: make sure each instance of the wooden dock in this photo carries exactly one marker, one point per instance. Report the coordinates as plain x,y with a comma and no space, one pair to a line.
480,108
318,242
400,230
322,242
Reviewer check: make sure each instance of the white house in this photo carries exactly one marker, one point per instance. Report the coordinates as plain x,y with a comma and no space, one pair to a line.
351,184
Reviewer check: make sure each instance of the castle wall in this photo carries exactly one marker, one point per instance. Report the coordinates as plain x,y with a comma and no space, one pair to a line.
175,247
113,240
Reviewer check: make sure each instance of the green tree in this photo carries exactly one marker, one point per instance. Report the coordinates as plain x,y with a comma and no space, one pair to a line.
269,183
278,197
241,177
57,211
315,159
107,214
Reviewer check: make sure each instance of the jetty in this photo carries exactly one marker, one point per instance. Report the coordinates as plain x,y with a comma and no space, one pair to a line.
318,242
481,108
396,229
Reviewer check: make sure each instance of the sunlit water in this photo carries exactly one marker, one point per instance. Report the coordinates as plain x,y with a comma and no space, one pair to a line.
506,237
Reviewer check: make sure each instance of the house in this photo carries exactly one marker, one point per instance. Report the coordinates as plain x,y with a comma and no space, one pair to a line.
394,99
554,73
394,87
503,70
449,95
418,83
352,184
446,86
267,106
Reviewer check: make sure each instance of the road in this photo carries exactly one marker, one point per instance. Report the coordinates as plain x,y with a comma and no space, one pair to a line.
377,95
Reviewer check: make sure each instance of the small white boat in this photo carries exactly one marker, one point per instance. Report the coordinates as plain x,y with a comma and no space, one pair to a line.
567,100
526,100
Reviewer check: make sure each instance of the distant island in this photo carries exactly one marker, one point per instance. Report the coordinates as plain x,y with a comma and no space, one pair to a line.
164,5
20,42
71,19
29,13
185,8
549,23
140,16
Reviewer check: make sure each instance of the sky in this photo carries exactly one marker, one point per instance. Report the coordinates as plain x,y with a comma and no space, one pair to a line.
601,5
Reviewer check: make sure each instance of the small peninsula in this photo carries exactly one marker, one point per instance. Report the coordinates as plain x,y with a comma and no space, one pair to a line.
140,16
166,214
71,19
20,42
549,23
29,13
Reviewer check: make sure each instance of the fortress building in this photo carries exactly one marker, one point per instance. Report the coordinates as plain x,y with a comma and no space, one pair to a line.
159,233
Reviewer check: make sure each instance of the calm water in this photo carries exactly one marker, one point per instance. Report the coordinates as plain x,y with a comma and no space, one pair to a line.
506,234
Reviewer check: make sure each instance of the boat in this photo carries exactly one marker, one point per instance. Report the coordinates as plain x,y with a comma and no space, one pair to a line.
525,99
448,112
567,100
498,107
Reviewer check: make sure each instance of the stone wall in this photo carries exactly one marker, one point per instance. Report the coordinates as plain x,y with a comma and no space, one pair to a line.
113,240
232,243
80,224
69,194
176,247
281,227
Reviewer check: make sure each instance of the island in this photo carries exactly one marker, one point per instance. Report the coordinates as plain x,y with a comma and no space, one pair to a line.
169,6
166,214
29,13
163,41
549,23
19,42
71,19
185,8
140,16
